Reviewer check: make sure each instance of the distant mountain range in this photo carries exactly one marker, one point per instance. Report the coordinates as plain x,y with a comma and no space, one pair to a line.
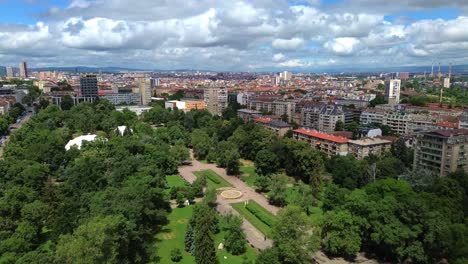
413,69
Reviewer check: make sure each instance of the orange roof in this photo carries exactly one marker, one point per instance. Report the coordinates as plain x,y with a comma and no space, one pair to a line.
447,124
323,136
262,120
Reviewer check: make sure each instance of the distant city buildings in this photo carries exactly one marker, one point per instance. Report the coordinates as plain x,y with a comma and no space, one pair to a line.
9,72
442,151
23,70
88,85
216,100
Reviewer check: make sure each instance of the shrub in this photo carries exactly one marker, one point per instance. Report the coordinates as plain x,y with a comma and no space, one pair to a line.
176,255
262,216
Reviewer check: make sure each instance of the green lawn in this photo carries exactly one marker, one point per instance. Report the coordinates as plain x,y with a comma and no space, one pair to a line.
254,220
173,236
176,181
214,180
250,176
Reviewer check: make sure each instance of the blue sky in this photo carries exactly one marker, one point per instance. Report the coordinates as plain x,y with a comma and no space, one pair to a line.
233,35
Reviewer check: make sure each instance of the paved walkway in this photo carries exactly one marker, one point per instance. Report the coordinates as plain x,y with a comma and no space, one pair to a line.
254,236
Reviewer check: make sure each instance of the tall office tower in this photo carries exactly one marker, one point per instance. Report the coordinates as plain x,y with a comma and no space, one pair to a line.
144,87
23,69
286,76
216,100
442,151
392,91
9,71
89,85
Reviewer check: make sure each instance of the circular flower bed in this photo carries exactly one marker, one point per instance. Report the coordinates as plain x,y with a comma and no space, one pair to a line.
231,194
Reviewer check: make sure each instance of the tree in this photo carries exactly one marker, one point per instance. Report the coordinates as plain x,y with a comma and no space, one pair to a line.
204,248
347,171
3,125
303,198
201,143
101,240
266,162
180,152
210,197
420,180
233,163
176,255
341,234
67,103
234,235
295,239
339,126
402,152
278,190
378,100
262,183
268,256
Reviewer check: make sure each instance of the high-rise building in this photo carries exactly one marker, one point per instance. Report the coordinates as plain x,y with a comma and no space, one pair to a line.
286,76
144,87
447,82
23,70
9,71
216,100
89,85
442,151
392,91
403,75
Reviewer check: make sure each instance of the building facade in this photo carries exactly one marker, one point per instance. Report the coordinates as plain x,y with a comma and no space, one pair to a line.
277,126
88,85
442,151
364,147
278,108
397,121
392,91
216,100
144,88
23,70
328,117
328,144
9,72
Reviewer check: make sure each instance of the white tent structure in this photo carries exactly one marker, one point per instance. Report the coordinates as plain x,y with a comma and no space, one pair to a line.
78,141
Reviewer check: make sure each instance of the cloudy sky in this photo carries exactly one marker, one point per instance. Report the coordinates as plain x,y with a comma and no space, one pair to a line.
247,35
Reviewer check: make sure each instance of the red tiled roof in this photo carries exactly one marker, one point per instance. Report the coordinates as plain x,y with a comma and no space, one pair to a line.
447,124
262,120
323,136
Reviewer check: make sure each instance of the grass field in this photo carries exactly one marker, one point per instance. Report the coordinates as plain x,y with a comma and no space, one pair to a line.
249,175
214,180
173,236
253,219
175,181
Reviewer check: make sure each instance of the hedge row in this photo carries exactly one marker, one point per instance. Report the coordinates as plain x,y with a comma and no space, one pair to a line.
260,214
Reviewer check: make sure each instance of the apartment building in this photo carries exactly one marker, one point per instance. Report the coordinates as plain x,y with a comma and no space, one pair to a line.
328,117
123,98
247,114
216,100
397,121
366,146
463,123
331,145
392,91
310,116
442,151
185,105
421,122
278,108
372,115
277,126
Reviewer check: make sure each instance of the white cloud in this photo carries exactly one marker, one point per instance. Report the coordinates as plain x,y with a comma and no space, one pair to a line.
234,35
288,44
279,57
342,46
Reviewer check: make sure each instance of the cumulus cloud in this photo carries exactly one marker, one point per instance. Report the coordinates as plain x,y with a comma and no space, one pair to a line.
288,44
342,46
235,35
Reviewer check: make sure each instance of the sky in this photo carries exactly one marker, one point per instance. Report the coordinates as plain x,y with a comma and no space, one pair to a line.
234,35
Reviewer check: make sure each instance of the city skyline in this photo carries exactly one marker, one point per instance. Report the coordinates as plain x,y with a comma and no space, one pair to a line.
234,36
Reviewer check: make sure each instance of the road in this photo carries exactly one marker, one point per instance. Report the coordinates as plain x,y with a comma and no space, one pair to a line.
254,236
